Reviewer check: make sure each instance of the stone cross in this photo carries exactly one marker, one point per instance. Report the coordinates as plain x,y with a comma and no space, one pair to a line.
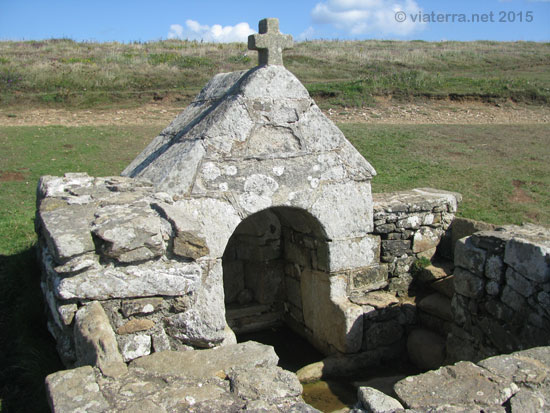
269,42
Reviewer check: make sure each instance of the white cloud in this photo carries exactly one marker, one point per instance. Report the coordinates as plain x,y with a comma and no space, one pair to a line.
374,17
306,34
217,33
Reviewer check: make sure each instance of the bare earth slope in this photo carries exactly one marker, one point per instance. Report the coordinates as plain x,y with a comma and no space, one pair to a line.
383,112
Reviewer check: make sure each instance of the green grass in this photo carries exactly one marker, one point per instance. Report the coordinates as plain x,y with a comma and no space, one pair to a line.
346,73
502,171
487,164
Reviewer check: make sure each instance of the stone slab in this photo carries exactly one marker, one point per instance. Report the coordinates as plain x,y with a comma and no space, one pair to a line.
462,384
95,341
204,364
155,278
375,401
75,390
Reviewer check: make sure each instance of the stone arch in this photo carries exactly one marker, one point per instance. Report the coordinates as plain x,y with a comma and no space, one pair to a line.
269,266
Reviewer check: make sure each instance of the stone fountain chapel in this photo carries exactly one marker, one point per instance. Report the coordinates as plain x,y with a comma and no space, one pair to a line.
267,191
250,209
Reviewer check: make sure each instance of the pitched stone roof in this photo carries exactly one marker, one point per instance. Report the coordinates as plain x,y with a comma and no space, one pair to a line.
245,130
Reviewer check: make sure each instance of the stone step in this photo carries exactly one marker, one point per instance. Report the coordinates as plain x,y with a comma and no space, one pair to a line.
437,305
257,322
235,312
438,270
444,286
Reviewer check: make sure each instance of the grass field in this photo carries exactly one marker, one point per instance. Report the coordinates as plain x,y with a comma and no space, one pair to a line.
346,73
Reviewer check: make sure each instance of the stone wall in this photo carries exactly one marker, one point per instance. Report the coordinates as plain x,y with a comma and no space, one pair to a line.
502,299
108,242
411,225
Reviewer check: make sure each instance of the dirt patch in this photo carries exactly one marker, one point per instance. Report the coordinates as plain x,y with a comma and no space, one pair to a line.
11,176
385,111
520,195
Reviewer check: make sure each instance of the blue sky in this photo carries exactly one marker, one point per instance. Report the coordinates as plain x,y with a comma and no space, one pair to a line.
233,20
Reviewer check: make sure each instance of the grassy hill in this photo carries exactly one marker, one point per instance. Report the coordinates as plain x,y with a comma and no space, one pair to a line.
347,73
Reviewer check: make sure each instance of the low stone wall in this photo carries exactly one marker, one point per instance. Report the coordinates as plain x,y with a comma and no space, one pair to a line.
411,225
115,264
502,299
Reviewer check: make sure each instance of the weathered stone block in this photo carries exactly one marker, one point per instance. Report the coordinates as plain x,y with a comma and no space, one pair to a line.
345,209
494,268
428,254
188,244
354,253
499,310
469,257
70,390
201,365
203,324
435,271
384,228
135,325
463,384
426,238
95,340
134,346
369,279
376,299
293,292
395,248
501,337
401,285
129,239
266,383
468,284
264,279
197,216
154,278
464,227
519,283
530,259
459,307
513,299
329,314
445,286
67,231
492,288
375,401
411,222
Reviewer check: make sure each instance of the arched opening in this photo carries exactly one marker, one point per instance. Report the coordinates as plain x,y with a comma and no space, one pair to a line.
268,266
